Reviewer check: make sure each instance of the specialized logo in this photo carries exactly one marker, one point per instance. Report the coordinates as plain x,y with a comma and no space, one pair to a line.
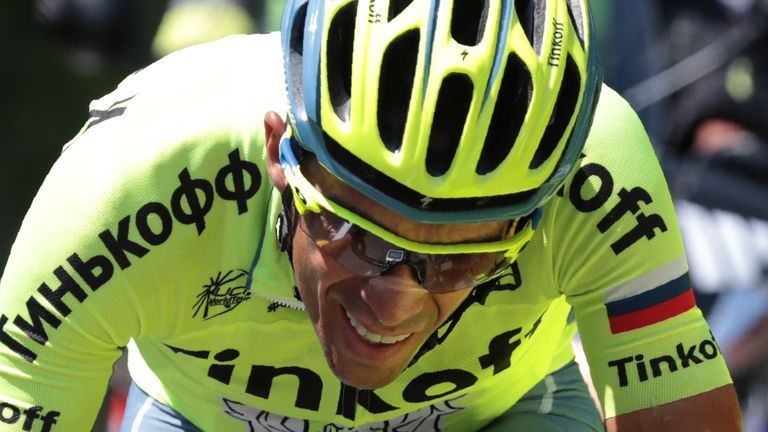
638,369
11,414
222,294
429,418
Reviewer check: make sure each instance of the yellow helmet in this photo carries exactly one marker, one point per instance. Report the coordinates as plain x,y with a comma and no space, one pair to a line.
446,111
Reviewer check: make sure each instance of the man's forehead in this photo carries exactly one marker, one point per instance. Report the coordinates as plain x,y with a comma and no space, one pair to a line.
350,198
341,193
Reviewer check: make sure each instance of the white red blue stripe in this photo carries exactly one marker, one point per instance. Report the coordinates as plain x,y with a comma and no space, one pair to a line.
650,298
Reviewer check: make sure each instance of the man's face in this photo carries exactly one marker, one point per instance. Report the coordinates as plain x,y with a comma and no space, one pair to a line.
371,327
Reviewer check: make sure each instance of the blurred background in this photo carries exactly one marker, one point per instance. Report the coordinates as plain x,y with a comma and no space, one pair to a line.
695,70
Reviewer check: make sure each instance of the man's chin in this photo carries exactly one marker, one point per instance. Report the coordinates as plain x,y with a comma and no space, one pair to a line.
364,377
366,381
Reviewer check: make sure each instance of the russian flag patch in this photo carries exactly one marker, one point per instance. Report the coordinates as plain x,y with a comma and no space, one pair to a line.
650,298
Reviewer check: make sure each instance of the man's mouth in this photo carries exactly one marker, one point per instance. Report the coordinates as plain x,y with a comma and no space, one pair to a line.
373,337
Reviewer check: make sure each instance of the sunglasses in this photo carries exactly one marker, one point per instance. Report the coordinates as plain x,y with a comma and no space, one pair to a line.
365,254
366,249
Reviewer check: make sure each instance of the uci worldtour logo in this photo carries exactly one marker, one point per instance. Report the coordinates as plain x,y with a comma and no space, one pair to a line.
222,294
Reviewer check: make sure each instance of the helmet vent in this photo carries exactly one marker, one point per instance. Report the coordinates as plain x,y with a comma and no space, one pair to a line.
398,69
562,113
386,185
296,55
451,112
397,6
531,15
508,115
575,12
468,21
339,62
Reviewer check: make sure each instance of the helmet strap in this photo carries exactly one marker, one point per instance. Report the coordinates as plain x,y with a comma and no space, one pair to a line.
285,224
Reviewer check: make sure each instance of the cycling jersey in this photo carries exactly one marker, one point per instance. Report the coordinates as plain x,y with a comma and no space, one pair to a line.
157,229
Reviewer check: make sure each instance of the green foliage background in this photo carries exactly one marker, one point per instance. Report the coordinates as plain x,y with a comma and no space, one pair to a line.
44,101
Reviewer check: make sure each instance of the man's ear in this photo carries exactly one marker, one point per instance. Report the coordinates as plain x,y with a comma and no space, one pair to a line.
274,127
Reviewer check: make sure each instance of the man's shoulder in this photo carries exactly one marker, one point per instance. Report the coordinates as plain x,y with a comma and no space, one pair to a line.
616,129
618,152
235,73
193,101
190,121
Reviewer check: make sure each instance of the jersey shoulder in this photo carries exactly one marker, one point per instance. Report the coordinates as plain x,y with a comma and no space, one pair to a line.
613,218
188,114
617,135
208,89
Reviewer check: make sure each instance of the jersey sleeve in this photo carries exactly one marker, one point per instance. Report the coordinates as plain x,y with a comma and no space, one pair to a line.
137,199
65,308
622,265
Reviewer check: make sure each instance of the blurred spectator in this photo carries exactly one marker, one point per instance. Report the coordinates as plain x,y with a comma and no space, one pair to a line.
631,50
94,32
189,22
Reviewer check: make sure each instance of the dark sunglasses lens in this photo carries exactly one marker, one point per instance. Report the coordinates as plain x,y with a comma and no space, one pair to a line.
357,250
446,273
366,254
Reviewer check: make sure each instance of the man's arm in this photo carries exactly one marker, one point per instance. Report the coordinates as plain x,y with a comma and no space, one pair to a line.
652,357
715,410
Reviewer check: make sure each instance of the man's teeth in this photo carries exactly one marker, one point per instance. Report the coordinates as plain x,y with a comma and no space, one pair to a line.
373,337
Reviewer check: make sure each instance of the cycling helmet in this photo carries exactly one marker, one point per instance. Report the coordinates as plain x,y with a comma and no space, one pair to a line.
446,111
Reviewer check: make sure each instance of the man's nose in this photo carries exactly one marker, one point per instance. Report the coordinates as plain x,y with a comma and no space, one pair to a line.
396,296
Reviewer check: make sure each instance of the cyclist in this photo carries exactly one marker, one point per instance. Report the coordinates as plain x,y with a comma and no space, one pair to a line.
410,248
